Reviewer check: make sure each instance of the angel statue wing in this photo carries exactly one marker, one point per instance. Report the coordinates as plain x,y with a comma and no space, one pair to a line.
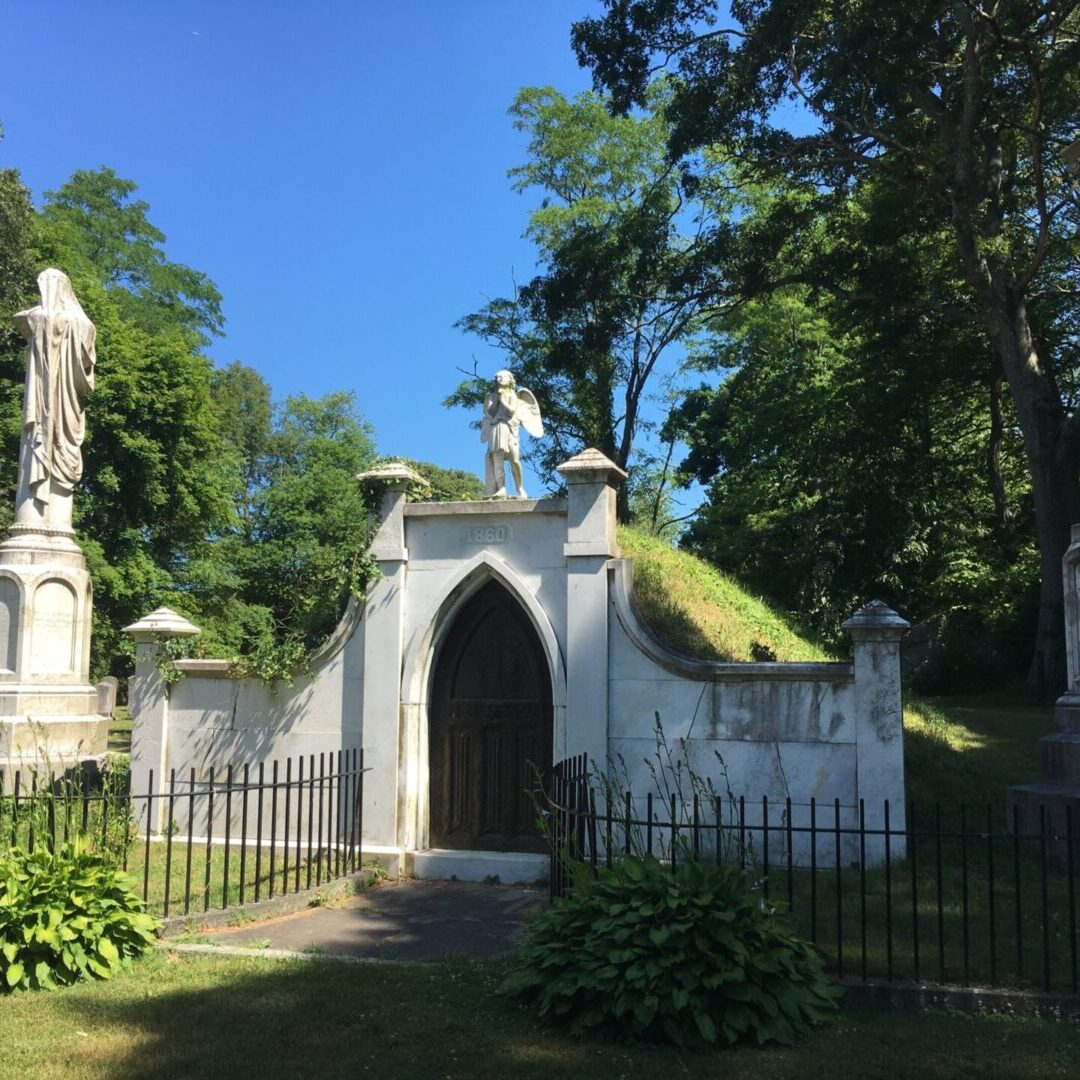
529,414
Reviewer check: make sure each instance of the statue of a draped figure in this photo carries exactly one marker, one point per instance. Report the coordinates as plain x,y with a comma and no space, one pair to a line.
59,375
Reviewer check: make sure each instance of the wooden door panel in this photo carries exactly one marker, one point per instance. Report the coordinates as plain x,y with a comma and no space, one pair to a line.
490,724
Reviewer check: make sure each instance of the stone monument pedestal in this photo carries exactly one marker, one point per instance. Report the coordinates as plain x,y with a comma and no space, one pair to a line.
1051,805
49,716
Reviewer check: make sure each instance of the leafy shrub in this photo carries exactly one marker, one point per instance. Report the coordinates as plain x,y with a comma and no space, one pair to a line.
66,916
688,955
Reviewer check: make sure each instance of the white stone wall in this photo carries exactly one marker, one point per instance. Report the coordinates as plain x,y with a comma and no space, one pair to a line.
208,719
802,732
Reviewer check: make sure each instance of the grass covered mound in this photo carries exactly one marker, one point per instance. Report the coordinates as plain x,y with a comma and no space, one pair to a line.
696,610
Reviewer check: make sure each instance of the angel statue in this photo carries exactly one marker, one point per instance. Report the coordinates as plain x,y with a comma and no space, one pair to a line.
506,408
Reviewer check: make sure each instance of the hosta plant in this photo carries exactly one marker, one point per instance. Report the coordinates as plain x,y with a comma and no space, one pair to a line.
66,916
691,954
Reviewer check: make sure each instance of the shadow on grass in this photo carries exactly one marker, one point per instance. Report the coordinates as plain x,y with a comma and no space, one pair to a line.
970,749
201,1016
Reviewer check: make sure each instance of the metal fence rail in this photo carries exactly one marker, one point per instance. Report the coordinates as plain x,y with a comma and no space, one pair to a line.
228,837
947,895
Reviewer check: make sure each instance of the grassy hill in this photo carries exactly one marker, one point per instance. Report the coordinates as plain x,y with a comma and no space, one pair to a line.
701,612
965,748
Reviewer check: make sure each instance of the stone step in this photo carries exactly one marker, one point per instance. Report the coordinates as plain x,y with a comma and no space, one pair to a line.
507,867
1059,755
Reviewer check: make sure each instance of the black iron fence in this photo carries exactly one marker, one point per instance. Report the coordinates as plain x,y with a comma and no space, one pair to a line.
942,894
206,839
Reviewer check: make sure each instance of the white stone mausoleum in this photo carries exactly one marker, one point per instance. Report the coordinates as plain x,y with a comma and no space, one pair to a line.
502,636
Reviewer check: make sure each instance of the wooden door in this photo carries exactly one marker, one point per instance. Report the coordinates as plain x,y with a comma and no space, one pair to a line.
490,727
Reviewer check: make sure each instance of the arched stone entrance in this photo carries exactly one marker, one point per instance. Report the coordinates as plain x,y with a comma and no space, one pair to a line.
490,726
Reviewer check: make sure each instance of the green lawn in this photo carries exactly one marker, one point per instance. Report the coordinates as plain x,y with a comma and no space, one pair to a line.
159,869
195,1016
120,731
970,748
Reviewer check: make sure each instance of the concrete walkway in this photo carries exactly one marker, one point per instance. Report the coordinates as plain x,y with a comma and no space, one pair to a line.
406,920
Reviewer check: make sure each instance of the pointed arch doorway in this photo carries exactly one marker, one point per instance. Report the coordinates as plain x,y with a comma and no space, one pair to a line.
490,726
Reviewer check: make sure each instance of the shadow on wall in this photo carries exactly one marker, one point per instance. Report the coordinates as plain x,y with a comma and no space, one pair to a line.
206,711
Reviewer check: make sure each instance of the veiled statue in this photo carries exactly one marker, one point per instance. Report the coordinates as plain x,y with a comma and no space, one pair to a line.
506,409
59,375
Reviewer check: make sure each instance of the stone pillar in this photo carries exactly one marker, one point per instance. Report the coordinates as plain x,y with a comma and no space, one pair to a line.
876,631
385,784
591,480
148,701
1059,753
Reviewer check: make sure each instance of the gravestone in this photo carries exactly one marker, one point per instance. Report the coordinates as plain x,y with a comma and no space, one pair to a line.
106,690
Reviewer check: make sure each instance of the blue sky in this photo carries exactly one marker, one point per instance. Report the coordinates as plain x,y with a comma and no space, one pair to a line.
338,169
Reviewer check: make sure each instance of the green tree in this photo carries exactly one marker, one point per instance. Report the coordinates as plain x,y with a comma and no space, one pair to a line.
446,485
615,231
16,282
275,583
198,491
156,477
311,522
245,416
967,107
16,214
836,476
95,218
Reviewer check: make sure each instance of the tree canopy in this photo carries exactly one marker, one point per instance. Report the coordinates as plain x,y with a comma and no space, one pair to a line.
616,234
199,491
957,111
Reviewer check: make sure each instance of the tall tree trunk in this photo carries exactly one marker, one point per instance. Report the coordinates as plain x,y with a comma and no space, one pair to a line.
1054,465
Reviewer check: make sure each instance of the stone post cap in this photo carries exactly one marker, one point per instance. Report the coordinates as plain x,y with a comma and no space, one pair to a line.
395,474
161,623
876,619
591,467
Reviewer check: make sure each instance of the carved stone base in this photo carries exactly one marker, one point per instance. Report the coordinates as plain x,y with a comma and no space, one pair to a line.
1067,712
49,718
1045,805
45,745
46,601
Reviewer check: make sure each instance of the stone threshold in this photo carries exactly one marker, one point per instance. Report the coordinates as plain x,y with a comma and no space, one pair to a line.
509,867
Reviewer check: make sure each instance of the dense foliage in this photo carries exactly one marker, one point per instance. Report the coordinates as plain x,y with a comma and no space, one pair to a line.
66,916
687,954
852,454
275,580
199,491
959,114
